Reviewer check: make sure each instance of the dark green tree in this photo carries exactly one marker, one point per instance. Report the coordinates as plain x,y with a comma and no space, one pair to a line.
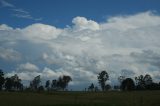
128,84
13,83
47,86
143,82
40,88
2,79
91,87
102,78
17,85
63,81
8,84
66,80
54,84
34,85
107,87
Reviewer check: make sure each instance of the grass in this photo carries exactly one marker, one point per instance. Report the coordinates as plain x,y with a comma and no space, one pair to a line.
112,98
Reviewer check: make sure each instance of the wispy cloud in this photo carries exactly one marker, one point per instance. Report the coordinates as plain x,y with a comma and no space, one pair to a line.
21,13
26,16
18,12
6,4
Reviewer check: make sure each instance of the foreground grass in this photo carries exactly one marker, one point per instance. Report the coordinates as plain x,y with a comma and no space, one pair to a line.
135,98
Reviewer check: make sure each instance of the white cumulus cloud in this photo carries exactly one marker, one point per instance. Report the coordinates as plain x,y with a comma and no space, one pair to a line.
82,23
123,44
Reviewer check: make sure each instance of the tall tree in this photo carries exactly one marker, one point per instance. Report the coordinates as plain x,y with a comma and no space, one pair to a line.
91,87
60,83
8,84
35,83
102,78
54,84
47,85
2,79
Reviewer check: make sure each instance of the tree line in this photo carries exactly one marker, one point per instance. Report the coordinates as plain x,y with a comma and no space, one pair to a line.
57,84
142,82
14,83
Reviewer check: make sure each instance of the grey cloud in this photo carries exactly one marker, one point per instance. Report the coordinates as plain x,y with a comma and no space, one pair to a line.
127,73
147,56
9,54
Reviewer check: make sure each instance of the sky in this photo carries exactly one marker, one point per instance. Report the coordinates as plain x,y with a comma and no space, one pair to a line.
80,38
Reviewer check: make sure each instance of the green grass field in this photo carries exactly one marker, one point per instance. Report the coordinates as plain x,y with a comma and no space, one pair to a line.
112,98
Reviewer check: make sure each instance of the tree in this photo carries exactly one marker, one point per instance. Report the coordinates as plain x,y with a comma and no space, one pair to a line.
116,87
13,83
8,84
140,83
66,80
35,83
143,82
127,84
40,88
91,87
16,82
60,83
107,87
96,89
2,79
54,84
102,78
63,81
148,79
47,84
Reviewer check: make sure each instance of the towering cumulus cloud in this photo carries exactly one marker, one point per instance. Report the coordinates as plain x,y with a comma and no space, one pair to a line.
123,45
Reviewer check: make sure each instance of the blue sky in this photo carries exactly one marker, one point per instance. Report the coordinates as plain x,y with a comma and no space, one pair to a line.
80,38
60,12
